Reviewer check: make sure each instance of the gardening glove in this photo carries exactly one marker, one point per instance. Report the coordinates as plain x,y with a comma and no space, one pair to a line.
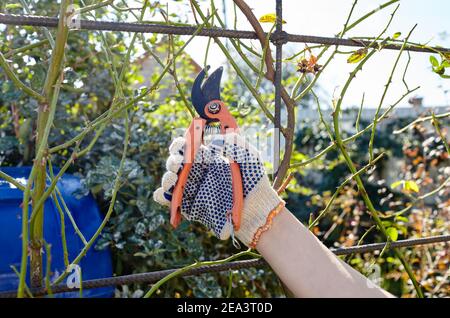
208,194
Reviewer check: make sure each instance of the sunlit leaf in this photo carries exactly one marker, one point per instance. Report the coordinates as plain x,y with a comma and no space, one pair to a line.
396,35
269,18
401,219
13,6
411,186
392,233
434,61
396,184
357,56
408,185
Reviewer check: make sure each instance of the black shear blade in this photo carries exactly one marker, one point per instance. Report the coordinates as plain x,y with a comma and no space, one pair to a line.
210,90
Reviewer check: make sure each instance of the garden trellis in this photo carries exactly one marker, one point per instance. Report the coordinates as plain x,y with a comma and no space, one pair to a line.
153,277
281,165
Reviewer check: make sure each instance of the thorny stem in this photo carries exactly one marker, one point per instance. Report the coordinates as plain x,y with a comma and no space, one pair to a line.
46,112
435,122
235,66
48,268
17,82
419,198
101,124
386,87
25,48
358,117
94,6
182,270
345,30
322,120
61,219
173,71
263,58
341,186
353,137
47,33
105,118
421,120
11,180
116,187
288,131
341,146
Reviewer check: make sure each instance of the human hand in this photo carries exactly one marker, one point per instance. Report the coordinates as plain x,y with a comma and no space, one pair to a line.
208,194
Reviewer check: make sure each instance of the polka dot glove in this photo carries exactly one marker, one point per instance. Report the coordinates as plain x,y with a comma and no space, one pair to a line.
208,194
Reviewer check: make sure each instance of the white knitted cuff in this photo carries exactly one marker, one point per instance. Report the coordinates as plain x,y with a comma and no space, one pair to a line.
257,206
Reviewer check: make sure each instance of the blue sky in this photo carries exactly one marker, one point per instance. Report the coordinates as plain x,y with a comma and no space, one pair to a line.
325,18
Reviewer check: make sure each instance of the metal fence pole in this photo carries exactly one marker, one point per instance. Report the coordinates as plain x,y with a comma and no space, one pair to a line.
278,72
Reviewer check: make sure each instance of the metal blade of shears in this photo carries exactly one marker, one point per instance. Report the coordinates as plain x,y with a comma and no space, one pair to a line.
203,94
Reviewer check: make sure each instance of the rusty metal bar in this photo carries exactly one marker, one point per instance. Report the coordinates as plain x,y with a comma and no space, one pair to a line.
51,22
278,72
152,277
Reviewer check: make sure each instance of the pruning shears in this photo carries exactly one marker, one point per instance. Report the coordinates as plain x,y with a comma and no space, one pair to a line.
211,110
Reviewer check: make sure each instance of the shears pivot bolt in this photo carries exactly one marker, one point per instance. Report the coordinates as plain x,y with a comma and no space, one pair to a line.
214,108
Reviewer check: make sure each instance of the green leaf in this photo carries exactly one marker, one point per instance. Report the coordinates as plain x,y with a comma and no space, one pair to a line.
411,186
357,56
434,61
392,233
390,259
396,184
396,35
401,219
311,219
13,6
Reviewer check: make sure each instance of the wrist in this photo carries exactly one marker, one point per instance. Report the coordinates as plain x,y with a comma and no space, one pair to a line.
261,205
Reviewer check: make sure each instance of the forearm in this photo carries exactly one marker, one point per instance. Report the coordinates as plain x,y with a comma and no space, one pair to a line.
306,266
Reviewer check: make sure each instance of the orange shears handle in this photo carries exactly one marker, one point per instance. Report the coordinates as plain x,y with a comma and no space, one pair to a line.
194,138
238,195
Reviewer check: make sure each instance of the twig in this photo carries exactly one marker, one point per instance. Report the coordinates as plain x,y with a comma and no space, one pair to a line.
108,117
116,188
233,63
421,120
341,186
47,33
46,113
48,268
358,117
355,136
25,48
438,130
361,188
62,220
322,120
288,131
11,180
94,6
17,82
419,198
285,184
386,87
182,270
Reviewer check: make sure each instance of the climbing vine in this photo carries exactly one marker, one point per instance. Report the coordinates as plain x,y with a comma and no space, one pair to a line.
77,106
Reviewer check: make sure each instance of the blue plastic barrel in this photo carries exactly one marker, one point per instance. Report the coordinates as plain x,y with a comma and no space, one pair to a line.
96,263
